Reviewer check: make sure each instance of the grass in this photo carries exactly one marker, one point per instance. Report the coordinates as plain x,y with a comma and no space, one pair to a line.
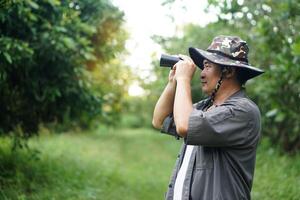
127,164
277,176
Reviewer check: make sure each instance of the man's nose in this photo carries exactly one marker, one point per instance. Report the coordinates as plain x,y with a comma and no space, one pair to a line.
202,74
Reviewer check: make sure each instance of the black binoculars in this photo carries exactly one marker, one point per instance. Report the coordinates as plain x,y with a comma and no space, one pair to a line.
168,60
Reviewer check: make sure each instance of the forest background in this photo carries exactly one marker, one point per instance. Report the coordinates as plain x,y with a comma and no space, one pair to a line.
69,128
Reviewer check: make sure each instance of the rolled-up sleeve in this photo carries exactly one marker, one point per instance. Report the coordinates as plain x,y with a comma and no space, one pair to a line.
169,126
221,126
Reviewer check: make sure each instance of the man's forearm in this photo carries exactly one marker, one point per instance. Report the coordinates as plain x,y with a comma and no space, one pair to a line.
183,106
164,105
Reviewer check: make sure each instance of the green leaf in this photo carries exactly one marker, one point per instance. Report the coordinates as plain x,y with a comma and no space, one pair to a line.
33,4
7,57
280,117
296,48
271,113
87,28
61,29
32,17
54,2
89,56
69,42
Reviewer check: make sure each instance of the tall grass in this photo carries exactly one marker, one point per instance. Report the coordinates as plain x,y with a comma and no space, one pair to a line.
127,164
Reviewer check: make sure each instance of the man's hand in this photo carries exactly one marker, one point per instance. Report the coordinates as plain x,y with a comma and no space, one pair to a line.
185,68
172,75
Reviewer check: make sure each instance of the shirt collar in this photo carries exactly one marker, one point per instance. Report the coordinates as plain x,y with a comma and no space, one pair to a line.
238,94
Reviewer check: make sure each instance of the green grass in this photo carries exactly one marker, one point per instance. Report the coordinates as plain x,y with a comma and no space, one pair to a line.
277,177
127,164
115,164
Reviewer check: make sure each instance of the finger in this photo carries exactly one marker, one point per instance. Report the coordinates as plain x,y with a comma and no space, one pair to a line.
185,57
182,57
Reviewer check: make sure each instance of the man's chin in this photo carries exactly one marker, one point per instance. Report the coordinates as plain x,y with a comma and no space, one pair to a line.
206,91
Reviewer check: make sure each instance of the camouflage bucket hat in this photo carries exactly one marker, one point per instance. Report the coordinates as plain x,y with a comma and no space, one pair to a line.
227,51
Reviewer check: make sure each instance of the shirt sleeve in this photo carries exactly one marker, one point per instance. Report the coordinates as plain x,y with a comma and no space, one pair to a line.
221,126
169,126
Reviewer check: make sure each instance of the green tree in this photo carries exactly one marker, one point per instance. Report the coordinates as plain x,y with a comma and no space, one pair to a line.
47,48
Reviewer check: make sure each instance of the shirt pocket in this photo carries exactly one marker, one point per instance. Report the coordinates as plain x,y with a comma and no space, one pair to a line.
204,158
219,115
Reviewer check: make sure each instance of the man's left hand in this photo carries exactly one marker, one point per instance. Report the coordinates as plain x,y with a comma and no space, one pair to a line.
185,68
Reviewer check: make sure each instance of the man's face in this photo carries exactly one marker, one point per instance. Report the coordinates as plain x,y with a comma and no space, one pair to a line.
209,76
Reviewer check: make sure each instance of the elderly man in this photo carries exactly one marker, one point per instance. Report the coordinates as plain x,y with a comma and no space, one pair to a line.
220,134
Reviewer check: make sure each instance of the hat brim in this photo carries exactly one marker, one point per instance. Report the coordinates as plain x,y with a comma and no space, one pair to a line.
247,71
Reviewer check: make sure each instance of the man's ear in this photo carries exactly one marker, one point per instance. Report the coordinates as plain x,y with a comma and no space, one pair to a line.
229,72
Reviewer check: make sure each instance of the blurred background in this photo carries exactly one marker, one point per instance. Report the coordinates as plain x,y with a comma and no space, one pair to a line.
79,81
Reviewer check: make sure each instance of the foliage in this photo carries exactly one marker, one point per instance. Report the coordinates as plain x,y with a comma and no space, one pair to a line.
107,163
50,51
137,114
111,80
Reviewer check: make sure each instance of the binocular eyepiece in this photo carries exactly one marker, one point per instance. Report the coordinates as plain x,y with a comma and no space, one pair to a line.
168,60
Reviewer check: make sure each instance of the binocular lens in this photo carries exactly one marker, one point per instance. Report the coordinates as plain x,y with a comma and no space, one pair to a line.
168,60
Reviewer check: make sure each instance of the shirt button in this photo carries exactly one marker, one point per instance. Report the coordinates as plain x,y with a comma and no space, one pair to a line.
170,185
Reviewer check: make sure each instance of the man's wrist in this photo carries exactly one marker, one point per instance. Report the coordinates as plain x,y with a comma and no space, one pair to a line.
183,79
172,83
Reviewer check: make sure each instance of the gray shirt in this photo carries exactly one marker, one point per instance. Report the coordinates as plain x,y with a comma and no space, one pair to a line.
222,163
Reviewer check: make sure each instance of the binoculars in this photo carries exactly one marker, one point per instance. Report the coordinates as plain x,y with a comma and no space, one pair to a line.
168,60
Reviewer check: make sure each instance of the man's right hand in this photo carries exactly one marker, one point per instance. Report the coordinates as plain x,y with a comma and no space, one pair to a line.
172,75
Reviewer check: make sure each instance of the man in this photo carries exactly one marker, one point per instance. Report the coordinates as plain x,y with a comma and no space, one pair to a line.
220,133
